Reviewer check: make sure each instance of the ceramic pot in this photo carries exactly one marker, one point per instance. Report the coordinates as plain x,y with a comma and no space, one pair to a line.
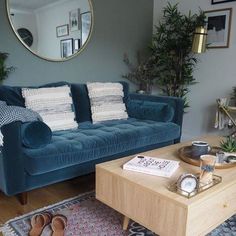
228,155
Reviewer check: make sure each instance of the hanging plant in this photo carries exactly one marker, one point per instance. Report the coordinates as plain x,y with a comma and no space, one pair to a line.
171,48
4,70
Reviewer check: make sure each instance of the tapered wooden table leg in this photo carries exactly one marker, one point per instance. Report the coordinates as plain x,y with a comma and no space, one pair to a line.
125,223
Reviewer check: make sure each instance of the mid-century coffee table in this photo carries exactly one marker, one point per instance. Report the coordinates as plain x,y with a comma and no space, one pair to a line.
147,200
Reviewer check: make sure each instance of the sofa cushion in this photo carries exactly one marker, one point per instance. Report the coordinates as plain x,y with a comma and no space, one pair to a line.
10,114
81,102
93,141
157,111
12,96
35,134
52,85
54,104
106,101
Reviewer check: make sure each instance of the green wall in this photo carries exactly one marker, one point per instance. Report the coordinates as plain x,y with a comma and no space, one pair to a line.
120,26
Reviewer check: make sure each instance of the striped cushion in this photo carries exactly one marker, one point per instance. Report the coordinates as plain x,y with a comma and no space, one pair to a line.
10,114
106,100
54,106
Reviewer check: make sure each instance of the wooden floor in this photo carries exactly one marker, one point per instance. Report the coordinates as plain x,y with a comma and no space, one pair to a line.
10,206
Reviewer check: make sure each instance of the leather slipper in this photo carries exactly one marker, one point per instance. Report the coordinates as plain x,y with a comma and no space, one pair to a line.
38,222
59,223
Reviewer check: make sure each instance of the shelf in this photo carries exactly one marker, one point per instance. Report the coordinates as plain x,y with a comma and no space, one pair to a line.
230,108
227,109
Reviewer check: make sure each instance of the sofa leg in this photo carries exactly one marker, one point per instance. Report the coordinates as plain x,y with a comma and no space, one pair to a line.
22,197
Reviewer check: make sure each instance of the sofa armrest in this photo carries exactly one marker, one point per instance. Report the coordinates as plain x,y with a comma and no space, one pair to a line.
158,108
12,179
16,136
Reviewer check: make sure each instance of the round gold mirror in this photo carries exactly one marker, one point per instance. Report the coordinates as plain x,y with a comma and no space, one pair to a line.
55,30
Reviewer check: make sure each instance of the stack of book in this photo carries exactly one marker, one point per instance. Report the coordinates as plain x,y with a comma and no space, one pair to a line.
152,166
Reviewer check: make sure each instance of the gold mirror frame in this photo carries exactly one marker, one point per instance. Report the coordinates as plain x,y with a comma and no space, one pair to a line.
50,59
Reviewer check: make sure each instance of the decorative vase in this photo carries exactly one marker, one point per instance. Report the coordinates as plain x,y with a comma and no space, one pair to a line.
207,167
229,154
230,157
145,88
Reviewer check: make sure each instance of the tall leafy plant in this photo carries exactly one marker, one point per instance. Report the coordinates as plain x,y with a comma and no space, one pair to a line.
171,48
4,70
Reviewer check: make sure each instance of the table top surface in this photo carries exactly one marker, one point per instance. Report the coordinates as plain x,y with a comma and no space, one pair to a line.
159,185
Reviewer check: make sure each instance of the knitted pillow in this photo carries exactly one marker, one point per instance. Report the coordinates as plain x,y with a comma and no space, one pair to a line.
54,106
106,101
10,114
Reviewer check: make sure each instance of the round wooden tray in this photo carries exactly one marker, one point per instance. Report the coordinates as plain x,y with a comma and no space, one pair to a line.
185,154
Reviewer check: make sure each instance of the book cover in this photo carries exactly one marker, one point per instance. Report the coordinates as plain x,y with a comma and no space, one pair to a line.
152,165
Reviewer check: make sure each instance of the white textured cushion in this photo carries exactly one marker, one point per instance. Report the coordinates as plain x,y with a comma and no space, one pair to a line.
1,139
54,106
106,100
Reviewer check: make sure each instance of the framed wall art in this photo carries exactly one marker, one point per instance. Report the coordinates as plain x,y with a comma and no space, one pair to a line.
66,48
221,1
74,20
218,28
62,30
76,45
86,21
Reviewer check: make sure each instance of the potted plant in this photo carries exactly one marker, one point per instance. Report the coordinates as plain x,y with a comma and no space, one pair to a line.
172,51
142,74
4,70
228,146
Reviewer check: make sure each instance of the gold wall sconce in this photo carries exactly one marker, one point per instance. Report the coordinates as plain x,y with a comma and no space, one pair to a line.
199,40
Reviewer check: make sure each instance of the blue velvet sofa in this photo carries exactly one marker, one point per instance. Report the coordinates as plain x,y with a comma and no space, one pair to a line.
154,121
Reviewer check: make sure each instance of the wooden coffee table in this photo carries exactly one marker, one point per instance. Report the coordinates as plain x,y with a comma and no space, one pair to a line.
147,200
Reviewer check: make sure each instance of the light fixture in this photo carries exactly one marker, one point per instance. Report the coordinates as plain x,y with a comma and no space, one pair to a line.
199,40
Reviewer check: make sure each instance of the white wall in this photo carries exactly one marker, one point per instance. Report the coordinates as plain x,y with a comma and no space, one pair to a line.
51,16
26,19
216,72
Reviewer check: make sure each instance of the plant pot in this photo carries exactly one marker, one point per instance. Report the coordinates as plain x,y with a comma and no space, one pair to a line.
228,155
145,88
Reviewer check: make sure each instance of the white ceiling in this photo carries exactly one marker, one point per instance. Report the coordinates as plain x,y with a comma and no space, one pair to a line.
30,4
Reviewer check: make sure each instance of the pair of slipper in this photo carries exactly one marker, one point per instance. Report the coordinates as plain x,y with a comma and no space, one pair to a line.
41,220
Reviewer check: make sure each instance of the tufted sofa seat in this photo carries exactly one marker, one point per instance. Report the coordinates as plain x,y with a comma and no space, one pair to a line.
93,141
154,121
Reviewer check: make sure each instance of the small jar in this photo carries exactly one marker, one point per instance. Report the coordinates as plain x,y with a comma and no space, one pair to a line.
207,166
220,157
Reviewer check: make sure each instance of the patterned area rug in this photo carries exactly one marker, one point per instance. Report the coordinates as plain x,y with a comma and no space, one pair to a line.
89,217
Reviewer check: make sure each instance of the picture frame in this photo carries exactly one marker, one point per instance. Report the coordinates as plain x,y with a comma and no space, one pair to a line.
221,1
62,30
86,21
74,20
77,45
218,27
66,48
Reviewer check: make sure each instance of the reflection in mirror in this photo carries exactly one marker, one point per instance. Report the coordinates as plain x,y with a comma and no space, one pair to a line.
52,29
26,36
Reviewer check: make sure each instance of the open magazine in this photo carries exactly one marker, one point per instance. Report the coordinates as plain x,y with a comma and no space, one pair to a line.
152,166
